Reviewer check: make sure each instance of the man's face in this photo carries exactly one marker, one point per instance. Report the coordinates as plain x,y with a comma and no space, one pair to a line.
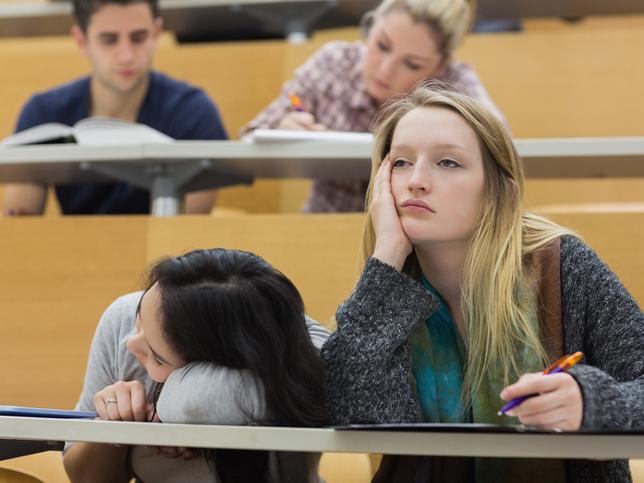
120,42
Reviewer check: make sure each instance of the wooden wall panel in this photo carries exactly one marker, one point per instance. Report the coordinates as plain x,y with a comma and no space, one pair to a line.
617,236
318,252
570,81
59,274
57,277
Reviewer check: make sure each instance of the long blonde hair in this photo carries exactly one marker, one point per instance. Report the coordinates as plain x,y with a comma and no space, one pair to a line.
450,19
496,322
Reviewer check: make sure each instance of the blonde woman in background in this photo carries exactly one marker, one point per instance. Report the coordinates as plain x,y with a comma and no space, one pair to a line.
343,84
464,299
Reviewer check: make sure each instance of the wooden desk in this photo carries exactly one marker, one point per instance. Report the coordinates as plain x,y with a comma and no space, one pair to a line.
570,445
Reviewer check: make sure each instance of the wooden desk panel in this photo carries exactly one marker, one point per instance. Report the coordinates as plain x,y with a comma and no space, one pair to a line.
59,275
318,252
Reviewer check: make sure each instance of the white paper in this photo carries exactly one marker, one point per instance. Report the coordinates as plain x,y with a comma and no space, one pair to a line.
286,135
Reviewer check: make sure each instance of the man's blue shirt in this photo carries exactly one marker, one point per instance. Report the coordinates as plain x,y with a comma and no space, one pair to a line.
173,107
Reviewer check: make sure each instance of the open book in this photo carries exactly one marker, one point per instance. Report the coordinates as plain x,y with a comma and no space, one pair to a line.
286,135
92,131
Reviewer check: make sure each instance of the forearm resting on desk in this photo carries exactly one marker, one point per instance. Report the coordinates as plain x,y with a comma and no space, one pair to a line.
96,463
24,199
200,202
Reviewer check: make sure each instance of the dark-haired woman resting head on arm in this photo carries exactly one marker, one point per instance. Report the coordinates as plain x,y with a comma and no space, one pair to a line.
220,337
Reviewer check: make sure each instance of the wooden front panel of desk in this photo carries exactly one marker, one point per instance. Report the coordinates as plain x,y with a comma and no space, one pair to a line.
58,275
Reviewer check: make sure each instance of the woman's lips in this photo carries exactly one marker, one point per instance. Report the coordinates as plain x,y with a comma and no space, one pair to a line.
417,205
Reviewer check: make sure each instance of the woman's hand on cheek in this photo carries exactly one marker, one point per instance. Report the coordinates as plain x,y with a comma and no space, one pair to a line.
122,401
392,245
558,403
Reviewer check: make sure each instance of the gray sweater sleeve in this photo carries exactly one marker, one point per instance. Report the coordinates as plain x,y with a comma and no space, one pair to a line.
205,393
109,361
367,360
603,320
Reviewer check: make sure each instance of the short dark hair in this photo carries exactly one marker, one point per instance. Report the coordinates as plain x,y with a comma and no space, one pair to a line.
234,309
84,9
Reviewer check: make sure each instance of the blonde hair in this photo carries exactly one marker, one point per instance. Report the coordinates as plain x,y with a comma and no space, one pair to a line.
496,321
450,19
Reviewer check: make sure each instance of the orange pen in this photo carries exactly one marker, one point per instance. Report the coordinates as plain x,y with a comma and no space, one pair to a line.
296,102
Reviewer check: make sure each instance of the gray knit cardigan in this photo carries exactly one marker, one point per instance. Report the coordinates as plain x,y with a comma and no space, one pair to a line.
368,364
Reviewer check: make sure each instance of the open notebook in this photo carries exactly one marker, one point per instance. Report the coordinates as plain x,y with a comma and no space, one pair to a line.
92,131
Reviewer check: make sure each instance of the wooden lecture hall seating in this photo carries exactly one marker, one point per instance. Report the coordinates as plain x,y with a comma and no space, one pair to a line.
552,80
59,274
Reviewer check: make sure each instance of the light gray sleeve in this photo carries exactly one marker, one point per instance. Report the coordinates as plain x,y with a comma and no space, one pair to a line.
205,393
318,334
107,349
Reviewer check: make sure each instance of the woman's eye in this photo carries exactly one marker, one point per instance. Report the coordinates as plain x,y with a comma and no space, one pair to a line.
400,163
157,362
448,163
382,46
412,66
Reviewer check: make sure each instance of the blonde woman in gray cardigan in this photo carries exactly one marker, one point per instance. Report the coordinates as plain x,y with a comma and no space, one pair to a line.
464,299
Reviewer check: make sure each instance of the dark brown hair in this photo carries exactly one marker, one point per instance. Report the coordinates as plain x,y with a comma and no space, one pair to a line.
84,9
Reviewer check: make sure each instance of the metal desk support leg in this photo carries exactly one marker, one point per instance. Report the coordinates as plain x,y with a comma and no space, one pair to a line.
166,182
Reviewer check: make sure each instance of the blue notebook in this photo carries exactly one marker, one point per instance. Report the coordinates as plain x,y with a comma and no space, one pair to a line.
27,412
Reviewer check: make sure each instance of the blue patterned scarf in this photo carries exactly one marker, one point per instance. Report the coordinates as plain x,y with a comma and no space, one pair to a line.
438,360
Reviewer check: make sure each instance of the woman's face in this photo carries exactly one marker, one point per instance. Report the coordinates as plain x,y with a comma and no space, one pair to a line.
437,178
149,345
400,53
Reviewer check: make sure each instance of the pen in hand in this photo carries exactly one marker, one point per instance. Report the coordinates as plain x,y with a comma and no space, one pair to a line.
299,118
561,365
296,102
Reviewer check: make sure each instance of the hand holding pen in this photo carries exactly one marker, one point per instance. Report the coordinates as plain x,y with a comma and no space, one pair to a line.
299,118
547,400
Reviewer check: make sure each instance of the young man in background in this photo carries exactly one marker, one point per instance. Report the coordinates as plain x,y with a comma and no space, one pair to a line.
119,38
